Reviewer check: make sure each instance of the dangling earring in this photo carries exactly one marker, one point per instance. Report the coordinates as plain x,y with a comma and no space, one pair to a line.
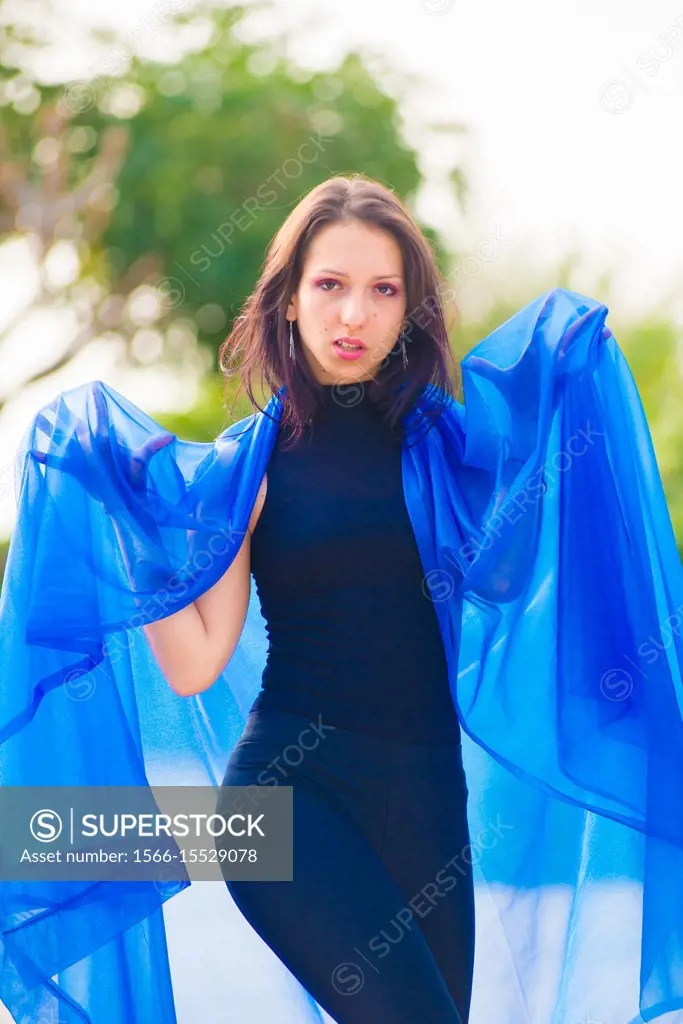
291,340
403,345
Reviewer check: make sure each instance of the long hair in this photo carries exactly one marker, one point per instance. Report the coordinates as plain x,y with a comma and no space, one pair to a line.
258,343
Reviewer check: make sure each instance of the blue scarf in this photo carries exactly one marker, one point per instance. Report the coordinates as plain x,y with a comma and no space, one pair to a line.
548,550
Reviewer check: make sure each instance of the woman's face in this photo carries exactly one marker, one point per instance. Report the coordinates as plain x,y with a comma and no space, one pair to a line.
352,285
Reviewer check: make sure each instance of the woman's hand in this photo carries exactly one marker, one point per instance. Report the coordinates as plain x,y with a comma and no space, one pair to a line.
111,473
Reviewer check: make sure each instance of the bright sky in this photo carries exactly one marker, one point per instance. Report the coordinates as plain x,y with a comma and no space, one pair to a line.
574,119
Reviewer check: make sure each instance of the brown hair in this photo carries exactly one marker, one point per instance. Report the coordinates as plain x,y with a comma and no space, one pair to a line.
259,340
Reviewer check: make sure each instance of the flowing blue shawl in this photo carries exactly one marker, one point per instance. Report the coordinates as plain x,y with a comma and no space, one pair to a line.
548,551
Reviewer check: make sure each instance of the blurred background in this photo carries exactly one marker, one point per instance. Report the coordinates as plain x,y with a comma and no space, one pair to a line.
149,151
148,155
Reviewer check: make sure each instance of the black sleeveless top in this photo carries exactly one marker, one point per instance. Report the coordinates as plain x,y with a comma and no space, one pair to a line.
353,636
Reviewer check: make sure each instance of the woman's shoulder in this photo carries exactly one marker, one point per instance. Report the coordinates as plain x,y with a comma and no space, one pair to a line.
433,407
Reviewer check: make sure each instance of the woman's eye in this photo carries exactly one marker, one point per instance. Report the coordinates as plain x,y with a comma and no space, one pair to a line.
392,290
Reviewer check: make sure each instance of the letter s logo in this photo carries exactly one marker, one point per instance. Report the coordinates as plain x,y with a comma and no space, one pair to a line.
45,825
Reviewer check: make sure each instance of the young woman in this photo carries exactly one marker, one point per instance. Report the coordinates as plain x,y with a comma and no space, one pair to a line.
494,585
354,644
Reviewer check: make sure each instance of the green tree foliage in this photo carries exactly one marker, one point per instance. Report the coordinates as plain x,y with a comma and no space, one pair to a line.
175,178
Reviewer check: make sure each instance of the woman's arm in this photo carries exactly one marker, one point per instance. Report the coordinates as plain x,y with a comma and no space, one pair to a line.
194,645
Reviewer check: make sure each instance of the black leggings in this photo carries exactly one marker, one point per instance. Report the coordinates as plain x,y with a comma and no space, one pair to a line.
378,923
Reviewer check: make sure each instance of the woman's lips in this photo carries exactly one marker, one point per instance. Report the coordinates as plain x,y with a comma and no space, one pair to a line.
348,353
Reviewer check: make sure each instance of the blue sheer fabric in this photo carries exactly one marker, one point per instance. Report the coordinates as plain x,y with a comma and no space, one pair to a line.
548,550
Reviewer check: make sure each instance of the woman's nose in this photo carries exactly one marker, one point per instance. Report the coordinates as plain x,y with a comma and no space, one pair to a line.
353,312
